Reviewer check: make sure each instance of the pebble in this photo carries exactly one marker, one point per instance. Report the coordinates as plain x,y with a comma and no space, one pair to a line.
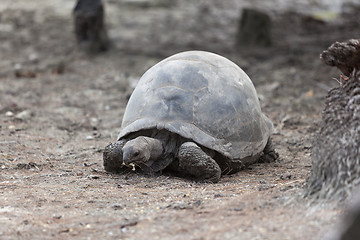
285,176
197,203
89,137
17,66
9,114
238,209
263,187
94,177
33,57
26,114
117,207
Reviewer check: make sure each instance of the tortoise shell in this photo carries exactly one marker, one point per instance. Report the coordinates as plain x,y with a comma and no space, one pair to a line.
203,97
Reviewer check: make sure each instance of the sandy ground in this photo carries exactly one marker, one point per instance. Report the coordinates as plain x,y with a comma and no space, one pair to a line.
60,107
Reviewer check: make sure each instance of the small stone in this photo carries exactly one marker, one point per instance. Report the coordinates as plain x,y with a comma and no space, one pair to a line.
65,230
197,203
94,176
238,209
26,222
89,137
307,145
129,223
33,57
17,66
285,176
263,187
117,207
9,114
178,206
26,114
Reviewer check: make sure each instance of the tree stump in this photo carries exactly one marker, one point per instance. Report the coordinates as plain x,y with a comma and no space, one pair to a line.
254,29
90,30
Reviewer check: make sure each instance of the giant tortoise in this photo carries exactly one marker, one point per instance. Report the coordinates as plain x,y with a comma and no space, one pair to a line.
195,113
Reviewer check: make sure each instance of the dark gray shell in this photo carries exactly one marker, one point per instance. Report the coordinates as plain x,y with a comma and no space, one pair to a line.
200,96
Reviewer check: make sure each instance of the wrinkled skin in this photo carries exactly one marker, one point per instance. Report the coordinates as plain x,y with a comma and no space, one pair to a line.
146,153
142,150
186,158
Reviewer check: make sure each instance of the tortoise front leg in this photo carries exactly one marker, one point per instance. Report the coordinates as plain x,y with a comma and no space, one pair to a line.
194,161
113,157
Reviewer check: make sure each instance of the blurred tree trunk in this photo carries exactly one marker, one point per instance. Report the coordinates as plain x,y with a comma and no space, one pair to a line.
254,29
89,23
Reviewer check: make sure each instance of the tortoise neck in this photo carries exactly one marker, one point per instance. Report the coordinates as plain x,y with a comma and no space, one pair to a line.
155,147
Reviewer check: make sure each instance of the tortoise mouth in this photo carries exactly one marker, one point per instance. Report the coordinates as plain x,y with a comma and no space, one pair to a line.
232,150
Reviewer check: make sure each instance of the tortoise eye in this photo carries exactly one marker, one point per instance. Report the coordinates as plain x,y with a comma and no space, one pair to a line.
136,153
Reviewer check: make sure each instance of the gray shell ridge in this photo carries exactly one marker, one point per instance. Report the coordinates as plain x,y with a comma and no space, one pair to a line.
200,96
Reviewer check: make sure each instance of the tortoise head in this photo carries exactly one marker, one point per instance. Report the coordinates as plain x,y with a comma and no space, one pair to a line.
136,151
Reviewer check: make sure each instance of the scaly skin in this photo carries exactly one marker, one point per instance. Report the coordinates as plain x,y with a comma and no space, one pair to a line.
194,161
113,157
145,152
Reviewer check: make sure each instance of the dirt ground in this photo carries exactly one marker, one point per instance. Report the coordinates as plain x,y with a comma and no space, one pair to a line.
60,107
